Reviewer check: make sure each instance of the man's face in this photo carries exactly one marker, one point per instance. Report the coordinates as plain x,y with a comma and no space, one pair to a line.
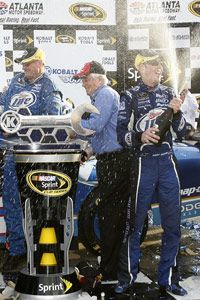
33,69
151,73
183,94
90,83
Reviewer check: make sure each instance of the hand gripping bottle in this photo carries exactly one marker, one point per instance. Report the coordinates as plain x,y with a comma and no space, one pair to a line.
163,123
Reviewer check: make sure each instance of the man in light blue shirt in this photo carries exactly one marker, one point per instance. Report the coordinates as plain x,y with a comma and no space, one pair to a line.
112,164
106,100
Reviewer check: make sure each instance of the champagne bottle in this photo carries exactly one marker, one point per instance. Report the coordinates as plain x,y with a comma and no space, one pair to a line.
163,123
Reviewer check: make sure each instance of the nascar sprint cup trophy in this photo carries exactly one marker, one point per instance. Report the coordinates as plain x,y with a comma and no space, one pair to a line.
47,164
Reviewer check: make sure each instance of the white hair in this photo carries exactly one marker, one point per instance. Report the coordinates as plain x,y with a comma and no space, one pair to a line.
101,77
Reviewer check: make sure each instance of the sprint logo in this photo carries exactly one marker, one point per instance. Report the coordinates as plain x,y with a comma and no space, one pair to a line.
62,287
67,283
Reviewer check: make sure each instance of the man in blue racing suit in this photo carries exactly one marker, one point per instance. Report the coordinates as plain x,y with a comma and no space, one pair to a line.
155,171
30,92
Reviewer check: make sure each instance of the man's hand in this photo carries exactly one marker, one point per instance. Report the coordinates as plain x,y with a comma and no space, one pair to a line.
149,136
175,104
72,134
86,154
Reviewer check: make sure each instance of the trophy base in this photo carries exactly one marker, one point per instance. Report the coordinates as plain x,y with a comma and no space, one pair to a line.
52,286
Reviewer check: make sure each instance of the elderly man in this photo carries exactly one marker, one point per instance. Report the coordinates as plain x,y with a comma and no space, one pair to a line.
112,163
155,171
32,91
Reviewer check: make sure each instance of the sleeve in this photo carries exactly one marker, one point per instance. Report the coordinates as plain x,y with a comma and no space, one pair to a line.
104,102
4,99
52,99
126,137
179,124
178,121
192,101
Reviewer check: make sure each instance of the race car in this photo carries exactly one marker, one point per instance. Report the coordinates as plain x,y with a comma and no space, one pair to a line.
187,154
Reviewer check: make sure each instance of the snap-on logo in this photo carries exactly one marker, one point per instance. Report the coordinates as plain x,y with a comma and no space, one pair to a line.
191,191
87,12
49,183
194,8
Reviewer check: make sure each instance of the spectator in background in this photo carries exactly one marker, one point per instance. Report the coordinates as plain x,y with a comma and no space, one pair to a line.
189,109
112,164
155,171
32,91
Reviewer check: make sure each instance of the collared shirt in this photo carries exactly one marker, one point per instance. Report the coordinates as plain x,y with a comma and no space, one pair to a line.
106,100
190,109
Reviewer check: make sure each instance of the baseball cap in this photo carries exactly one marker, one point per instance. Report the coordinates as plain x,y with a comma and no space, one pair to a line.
90,67
147,56
31,54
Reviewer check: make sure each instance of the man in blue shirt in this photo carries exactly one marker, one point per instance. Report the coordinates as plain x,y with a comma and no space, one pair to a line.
34,92
112,163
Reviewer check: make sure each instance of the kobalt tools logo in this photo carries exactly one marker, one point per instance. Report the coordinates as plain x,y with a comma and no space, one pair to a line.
87,12
194,8
55,71
49,183
10,121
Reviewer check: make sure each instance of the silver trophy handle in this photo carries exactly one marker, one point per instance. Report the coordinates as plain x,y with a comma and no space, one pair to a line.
12,122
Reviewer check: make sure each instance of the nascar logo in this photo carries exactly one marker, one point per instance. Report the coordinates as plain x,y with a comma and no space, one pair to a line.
49,183
194,8
87,12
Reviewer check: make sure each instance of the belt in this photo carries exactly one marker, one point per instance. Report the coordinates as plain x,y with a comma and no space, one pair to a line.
155,154
108,155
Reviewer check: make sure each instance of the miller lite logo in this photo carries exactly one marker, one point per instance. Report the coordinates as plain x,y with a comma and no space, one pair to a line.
23,99
10,121
148,120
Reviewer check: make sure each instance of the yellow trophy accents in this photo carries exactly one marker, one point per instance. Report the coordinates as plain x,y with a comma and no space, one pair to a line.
48,259
48,236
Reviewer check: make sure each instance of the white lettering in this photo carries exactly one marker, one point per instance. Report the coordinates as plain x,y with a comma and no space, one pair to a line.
53,287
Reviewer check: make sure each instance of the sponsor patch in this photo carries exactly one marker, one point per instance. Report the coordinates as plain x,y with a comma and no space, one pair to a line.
194,8
49,183
148,120
87,12
23,99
